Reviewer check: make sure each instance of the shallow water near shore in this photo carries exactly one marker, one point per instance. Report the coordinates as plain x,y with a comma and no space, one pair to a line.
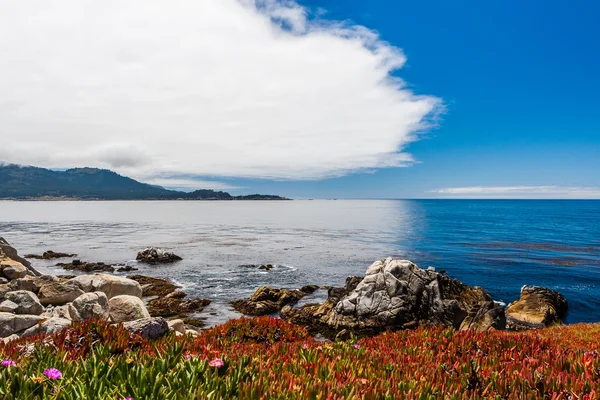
498,244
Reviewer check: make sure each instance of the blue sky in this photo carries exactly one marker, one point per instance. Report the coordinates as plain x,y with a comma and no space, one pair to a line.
281,97
520,80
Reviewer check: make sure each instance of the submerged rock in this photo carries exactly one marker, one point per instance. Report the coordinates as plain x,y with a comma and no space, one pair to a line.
50,255
84,266
537,308
153,255
267,300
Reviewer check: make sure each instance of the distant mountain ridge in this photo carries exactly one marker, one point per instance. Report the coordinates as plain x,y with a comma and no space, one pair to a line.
26,182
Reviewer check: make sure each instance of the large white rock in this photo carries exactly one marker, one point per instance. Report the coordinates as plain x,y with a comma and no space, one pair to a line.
27,301
56,293
48,327
89,305
13,323
177,325
110,285
127,308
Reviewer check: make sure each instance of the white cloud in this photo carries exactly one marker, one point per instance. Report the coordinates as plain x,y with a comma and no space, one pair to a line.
229,88
559,192
191,184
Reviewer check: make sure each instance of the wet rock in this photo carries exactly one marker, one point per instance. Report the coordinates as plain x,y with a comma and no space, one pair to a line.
537,308
484,317
175,304
48,327
196,322
50,255
27,302
148,328
89,305
110,285
154,255
309,289
78,265
126,308
154,286
56,293
266,267
267,300
127,268
13,323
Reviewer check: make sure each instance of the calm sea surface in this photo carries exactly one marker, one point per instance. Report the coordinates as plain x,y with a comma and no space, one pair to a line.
500,245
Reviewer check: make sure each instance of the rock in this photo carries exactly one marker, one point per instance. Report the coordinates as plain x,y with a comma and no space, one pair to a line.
267,300
13,323
267,267
191,332
48,327
50,255
537,308
126,268
126,308
59,311
153,255
110,285
89,305
309,289
10,338
9,306
4,289
57,294
32,283
177,326
9,252
485,317
397,292
148,328
84,266
28,302
12,269
154,286
3,281
174,304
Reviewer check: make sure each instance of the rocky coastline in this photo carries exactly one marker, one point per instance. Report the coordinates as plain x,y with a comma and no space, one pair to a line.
392,295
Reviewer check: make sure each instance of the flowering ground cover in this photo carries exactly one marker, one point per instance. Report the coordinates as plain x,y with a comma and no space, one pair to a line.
267,358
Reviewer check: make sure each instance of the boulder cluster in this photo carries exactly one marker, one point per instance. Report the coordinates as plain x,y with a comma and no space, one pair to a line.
31,303
397,294
153,255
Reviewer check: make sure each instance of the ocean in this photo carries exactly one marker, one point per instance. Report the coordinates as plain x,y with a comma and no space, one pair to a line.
500,245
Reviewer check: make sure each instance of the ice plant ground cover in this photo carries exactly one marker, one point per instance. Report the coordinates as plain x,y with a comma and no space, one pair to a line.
266,358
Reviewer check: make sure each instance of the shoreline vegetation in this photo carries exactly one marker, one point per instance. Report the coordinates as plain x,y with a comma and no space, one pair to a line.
93,184
397,332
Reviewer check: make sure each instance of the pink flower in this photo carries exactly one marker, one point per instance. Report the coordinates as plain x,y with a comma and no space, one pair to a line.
8,363
305,345
125,398
188,357
217,363
357,346
53,373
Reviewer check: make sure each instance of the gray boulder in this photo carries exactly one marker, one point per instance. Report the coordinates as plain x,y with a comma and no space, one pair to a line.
58,312
9,306
89,305
48,327
148,328
110,285
56,293
28,302
126,308
13,323
32,283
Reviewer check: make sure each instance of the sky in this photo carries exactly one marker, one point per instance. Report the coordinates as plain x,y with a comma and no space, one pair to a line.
309,99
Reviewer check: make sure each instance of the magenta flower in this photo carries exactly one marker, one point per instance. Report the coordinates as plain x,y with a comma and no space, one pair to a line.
53,373
8,363
304,345
217,363
188,357
357,346
125,398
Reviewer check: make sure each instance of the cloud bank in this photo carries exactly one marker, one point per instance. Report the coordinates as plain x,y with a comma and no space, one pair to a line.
542,192
219,88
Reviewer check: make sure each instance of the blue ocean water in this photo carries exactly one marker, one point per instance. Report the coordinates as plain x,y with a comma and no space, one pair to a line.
500,245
